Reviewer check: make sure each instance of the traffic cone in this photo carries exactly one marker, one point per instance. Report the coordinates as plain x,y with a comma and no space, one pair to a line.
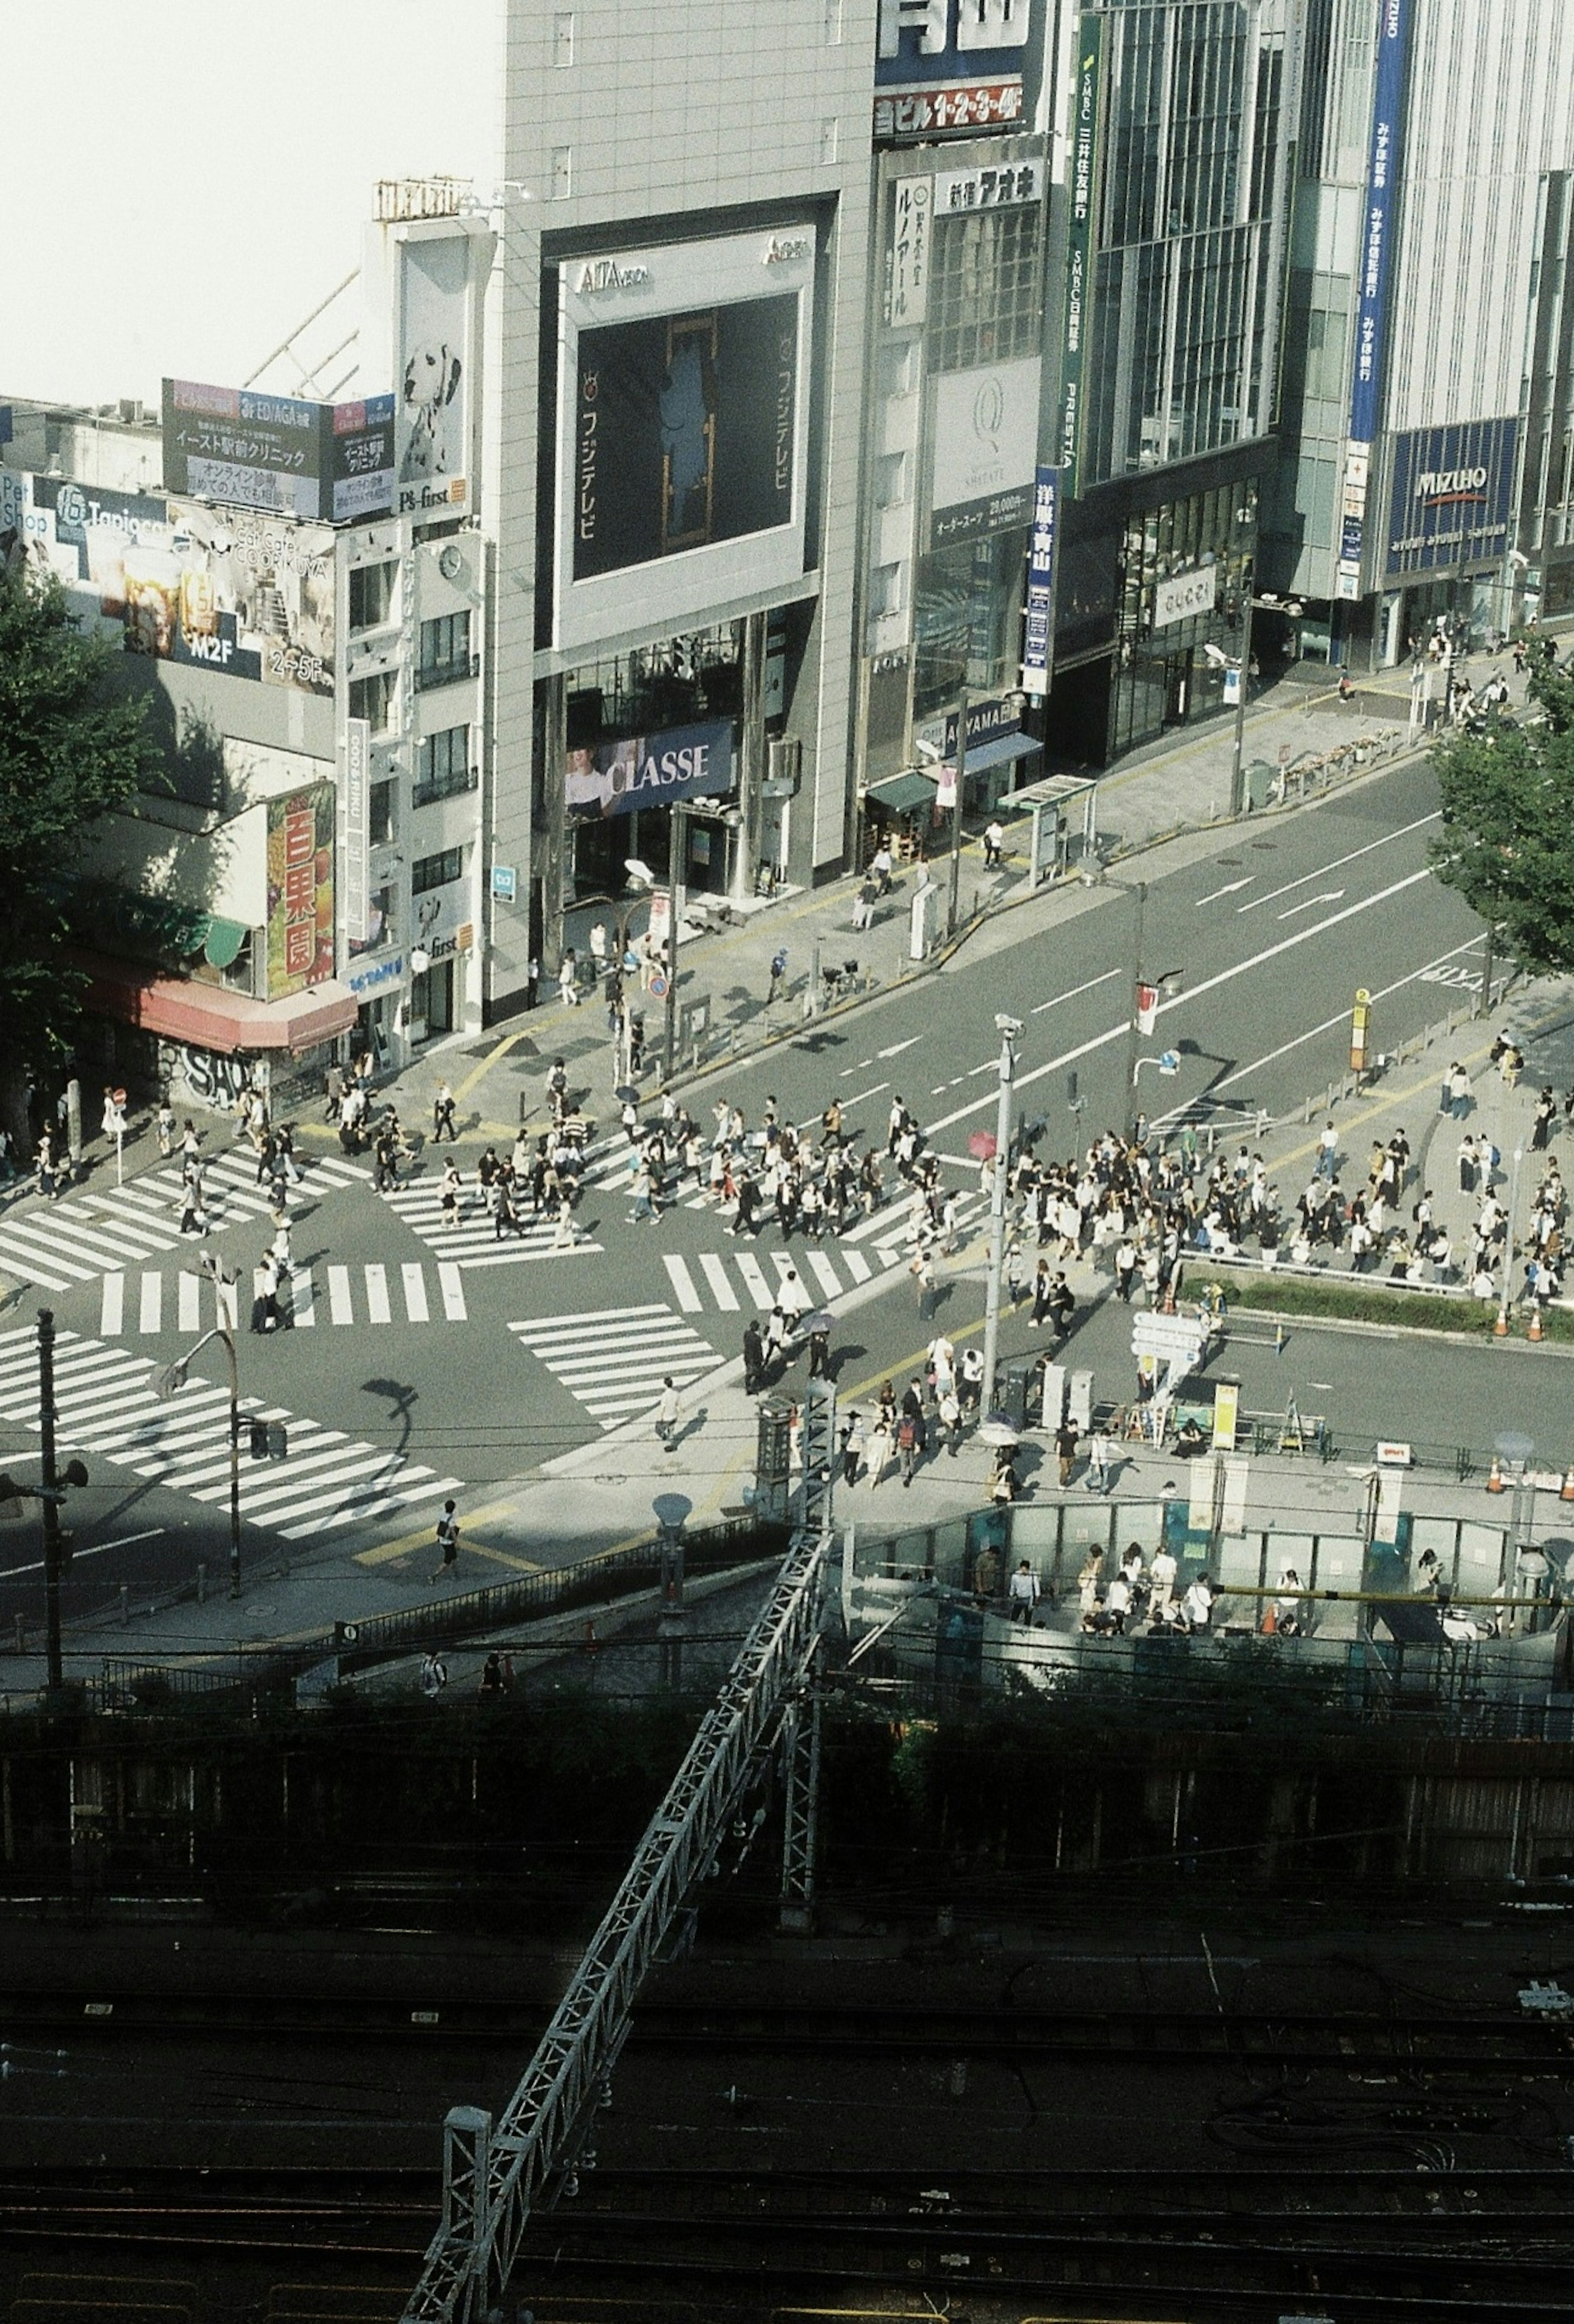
1566,1490
1500,1328
1535,1331
1495,1483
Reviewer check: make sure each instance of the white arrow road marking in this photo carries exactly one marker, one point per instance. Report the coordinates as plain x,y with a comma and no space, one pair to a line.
1234,888
1340,862
897,1046
1309,903
1040,1005
1342,1016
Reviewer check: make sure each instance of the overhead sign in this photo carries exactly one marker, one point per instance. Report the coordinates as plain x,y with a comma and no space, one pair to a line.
355,838
247,450
1372,277
506,882
1171,1339
907,254
1182,596
948,66
1452,496
1010,185
646,770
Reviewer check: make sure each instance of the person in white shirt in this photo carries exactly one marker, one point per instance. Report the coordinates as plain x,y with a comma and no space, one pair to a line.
1161,1585
1022,1592
1197,1605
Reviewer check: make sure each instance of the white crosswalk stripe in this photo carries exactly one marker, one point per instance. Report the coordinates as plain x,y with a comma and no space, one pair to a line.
475,1241
614,1361
105,1405
58,1244
369,1301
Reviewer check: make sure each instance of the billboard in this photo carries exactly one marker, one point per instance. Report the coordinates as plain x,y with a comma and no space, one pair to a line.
648,770
678,446
1084,196
433,386
299,890
1372,272
234,590
985,450
1452,495
247,450
949,67
1040,583
683,388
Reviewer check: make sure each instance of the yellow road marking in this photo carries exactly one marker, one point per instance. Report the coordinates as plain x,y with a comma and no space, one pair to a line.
386,1550
479,1072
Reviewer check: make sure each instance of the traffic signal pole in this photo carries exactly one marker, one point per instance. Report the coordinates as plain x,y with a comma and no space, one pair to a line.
50,1500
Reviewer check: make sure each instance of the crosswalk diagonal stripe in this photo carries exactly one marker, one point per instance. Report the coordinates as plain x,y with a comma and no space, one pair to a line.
715,1275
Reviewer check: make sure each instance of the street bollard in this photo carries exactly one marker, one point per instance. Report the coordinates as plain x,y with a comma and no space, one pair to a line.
21,1634
125,1605
201,1582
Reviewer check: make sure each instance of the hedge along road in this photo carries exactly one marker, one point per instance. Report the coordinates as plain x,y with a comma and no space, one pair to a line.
1270,935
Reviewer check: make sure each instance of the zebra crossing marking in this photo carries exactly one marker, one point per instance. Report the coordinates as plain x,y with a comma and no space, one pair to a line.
87,1234
151,1306
689,1299
715,1275
474,1240
612,1361
105,1405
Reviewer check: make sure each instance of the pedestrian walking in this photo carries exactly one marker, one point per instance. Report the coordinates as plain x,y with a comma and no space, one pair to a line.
568,980
1022,1593
909,1448
1468,1164
878,1452
434,1674
924,1276
166,1129
667,1411
448,1542
1100,1454
1068,1436
1327,1147
852,1448
754,1358
778,976
443,1116
994,845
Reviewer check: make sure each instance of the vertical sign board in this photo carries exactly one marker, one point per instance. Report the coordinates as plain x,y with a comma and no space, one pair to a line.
1079,240
907,258
1040,584
357,827
1372,269
299,890
1360,1028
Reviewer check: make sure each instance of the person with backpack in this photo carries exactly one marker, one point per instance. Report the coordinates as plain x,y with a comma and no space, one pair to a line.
448,1541
778,976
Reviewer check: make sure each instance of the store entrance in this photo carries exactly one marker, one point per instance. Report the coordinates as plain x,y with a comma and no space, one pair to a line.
431,1000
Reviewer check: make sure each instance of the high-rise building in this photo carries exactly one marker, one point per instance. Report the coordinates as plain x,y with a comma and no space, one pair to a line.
1429,397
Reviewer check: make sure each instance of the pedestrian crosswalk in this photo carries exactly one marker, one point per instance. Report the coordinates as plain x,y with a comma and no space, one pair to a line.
614,1359
152,1302
59,1243
749,1278
474,1240
105,1404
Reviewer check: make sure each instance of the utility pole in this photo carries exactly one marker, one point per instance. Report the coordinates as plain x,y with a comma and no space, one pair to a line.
961,777
1500,1328
1238,764
1010,1027
678,847
50,1500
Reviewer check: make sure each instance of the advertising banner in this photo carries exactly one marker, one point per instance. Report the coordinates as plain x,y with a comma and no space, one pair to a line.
247,594
649,771
1383,163
986,449
958,191
685,432
443,922
275,452
299,890
1084,196
949,65
1452,496
432,439
1041,584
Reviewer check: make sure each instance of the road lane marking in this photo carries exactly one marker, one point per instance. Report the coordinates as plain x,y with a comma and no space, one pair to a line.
303,1299
830,1282
190,1302
716,1276
1210,983
1322,870
453,1291
414,1278
856,1265
340,1306
1231,888
1329,1023
152,1303
1039,1007
754,1275
897,1046
112,1315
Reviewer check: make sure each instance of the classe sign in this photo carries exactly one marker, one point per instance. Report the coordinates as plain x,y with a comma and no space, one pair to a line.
647,771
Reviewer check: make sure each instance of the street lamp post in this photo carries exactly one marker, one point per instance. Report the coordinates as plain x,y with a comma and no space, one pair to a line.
677,867
168,1383
1138,934
961,777
50,1493
1238,762
1010,1027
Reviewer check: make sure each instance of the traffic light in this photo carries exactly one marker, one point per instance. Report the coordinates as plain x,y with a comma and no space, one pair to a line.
278,1441
259,1440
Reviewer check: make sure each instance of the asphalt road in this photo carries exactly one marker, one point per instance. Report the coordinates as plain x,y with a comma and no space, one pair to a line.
421,1373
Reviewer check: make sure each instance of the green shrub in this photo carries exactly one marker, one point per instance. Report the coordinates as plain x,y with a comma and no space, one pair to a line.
1358,1300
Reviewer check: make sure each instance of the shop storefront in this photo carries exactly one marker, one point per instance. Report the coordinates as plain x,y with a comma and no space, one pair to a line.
203,1044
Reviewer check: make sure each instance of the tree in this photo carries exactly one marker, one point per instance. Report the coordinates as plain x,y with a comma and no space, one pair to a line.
71,749
1507,841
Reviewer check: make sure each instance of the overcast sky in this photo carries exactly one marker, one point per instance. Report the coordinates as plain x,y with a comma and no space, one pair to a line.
182,183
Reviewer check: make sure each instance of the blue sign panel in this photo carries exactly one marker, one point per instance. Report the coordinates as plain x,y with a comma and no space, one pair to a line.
1382,176
950,41
645,771
1041,584
1453,495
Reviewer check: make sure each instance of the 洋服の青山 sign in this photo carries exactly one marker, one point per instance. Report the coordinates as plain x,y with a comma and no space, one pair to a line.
647,771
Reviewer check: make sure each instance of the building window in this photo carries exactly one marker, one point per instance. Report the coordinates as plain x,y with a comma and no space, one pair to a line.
372,595
372,699
439,870
380,829
442,765
985,289
445,649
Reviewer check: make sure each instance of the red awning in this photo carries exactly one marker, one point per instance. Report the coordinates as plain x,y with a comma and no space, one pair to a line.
210,1017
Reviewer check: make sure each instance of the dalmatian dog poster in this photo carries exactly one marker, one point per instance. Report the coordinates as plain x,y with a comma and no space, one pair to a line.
432,389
